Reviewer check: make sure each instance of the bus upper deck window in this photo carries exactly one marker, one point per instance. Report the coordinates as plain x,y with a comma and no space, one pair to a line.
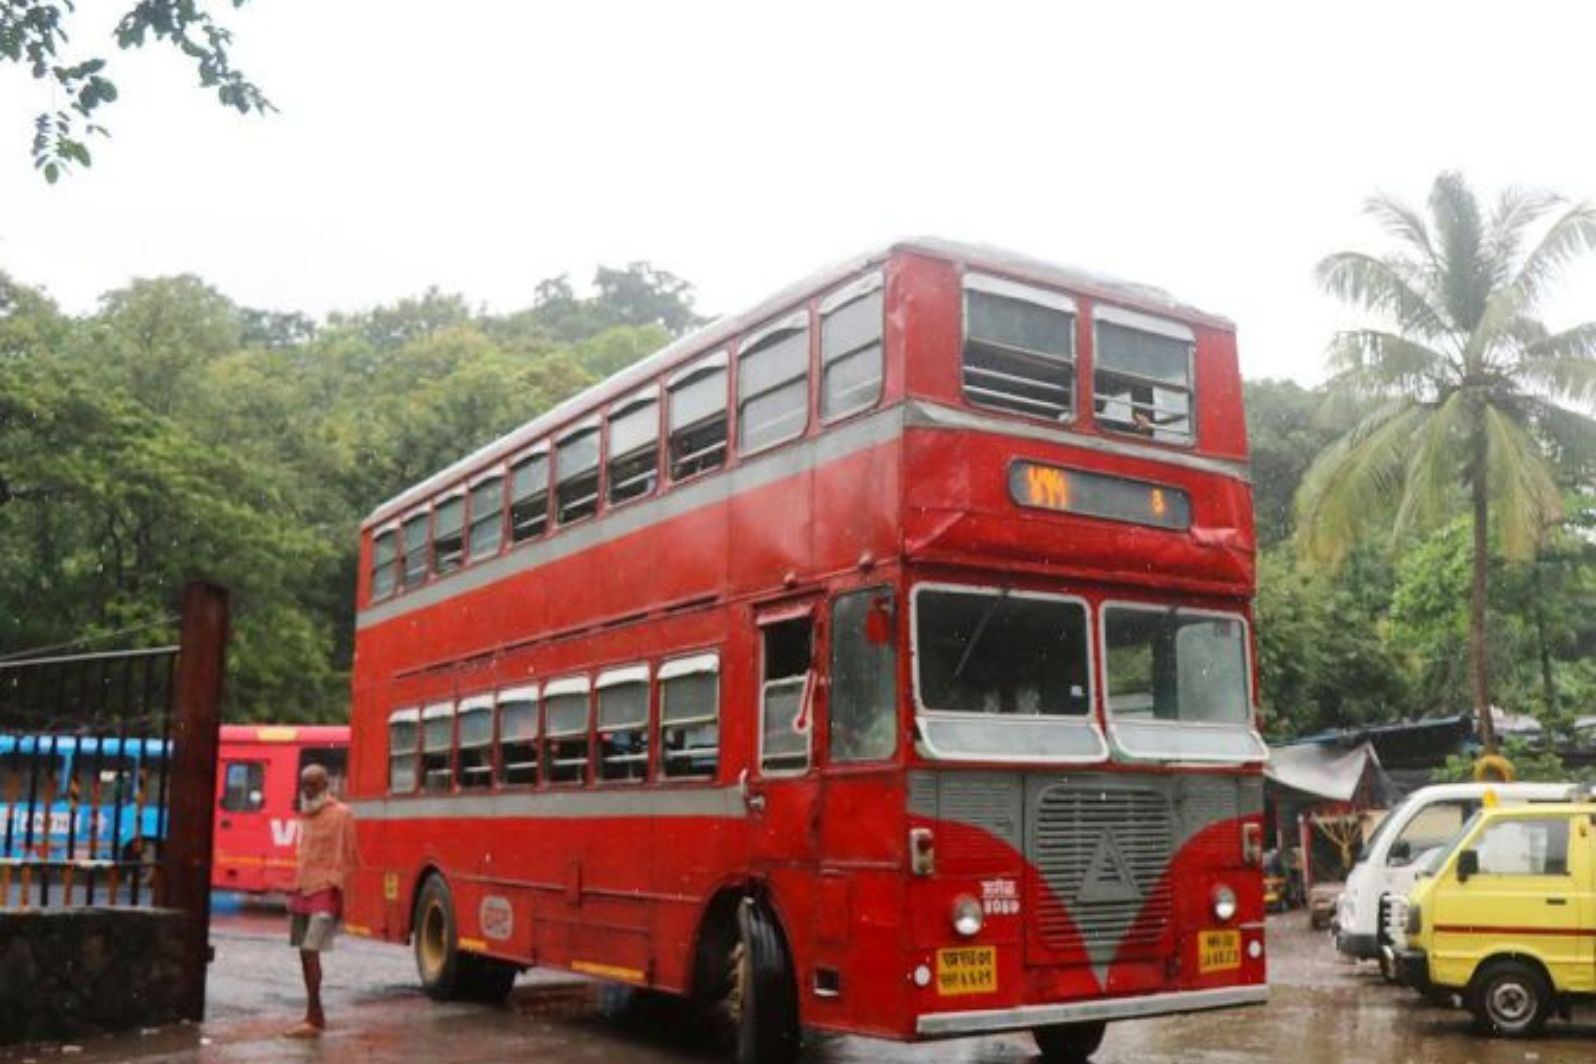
448,536
698,417
634,446
415,544
576,471
1142,378
529,495
1019,348
487,516
773,384
384,555
850,349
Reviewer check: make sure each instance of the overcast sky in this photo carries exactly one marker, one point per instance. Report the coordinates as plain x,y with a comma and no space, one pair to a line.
1217,150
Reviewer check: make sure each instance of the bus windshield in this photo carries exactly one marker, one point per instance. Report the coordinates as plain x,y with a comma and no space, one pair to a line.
1001,672
1168,664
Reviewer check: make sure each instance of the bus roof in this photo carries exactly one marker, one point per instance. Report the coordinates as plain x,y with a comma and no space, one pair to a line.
1098,286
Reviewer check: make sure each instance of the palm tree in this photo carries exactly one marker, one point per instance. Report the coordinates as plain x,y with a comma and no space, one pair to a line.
1466,386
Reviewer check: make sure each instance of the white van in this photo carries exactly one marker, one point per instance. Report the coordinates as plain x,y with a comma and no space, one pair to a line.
1416,831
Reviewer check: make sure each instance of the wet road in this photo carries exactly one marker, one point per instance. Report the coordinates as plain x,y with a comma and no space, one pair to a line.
1321,1011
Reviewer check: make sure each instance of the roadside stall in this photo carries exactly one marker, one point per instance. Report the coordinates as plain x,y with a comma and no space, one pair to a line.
1321,803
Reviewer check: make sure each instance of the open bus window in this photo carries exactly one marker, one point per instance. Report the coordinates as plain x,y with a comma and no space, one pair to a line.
487,517
244,787
474,760
698,417
689,694
529,496
518,737
1142,379
784,730
850,349
384,554
437,747
773,385
415,541
1019,348
567,713
634,447
448,536
623,724
864,676
1165,664
576,491
111,782
404,729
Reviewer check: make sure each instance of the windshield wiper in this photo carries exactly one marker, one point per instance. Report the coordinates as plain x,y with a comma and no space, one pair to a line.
980,630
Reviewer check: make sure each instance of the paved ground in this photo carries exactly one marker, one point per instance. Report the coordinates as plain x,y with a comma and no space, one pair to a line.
1322,1012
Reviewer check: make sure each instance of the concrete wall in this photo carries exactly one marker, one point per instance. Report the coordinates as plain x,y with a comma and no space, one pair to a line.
66,974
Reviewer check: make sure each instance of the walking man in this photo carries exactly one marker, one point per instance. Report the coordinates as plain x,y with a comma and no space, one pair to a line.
326,862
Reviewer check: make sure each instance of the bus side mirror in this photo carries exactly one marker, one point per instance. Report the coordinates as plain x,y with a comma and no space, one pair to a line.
1468,864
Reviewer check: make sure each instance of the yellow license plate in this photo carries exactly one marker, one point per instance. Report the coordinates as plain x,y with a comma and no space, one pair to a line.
1218,950
967,970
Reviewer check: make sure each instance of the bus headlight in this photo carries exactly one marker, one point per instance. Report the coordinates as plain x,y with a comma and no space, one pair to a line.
967,917
1224,903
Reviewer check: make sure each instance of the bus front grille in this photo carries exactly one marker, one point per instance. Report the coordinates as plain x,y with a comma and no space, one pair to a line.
1103,854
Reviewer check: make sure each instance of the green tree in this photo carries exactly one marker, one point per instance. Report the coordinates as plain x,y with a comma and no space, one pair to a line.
1286,427
34,33
1471,381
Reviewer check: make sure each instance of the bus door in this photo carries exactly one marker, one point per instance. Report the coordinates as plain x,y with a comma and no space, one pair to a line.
858,733
244,831
780,789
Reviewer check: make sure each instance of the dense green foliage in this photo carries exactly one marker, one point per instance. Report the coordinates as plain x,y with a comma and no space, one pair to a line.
173,434
35,33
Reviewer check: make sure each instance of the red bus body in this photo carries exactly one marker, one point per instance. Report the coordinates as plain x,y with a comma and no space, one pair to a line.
1096,870
257,784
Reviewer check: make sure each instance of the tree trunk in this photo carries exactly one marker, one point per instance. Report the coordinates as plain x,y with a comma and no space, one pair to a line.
1482,548
1548,684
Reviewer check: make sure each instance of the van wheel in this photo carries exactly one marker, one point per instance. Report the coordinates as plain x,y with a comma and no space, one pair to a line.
763,995
1511,999
1068,1043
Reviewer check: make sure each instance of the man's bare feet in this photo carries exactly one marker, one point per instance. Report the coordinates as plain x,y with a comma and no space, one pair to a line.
303,1030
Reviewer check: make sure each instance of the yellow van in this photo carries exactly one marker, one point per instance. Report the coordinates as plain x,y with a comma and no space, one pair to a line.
1508,919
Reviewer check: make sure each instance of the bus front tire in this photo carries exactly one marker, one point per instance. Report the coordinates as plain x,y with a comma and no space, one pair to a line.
447,973
1510,998
767,996
1069,1043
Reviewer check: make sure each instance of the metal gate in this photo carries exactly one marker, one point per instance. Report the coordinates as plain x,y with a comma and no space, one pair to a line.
108,776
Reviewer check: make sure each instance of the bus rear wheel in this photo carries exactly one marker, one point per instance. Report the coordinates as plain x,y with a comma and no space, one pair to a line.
447,973
763,994
1069,1043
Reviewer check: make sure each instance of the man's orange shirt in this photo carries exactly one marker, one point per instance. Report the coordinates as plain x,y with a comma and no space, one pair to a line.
326,848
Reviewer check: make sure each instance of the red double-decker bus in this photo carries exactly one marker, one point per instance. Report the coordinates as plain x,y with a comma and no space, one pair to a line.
874,661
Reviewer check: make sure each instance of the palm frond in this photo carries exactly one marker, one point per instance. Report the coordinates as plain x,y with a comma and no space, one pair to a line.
1355,478
1434,467
1382,287
1515,211
1573,233
1404,223
1524,496
1374,362
1561,365
1464,280
1569,435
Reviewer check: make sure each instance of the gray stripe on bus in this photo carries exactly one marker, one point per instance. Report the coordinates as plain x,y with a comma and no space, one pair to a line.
717,802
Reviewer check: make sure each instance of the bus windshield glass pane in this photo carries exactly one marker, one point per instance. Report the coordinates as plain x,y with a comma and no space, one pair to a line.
1175,665
1000,653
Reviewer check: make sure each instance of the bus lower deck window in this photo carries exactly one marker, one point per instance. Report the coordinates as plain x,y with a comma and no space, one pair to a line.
785,729
690,717
568,717
518,739
623,730
474,763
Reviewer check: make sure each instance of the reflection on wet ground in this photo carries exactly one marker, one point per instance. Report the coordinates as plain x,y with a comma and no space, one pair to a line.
1322,1012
